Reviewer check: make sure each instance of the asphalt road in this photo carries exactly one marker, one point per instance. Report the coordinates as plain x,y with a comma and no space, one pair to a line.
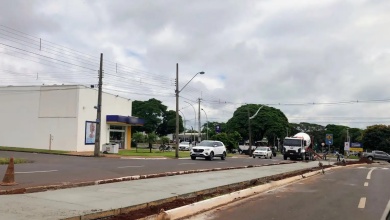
348,193
49,169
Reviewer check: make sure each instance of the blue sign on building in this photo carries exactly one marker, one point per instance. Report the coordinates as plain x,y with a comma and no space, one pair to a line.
218,129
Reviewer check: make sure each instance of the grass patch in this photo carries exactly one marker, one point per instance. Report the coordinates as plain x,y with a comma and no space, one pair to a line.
32,150
145,152
16,161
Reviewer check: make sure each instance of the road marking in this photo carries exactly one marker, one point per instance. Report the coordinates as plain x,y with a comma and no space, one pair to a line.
361,167
385,168
369,173
44,171
362,203
186,163
130,167
386,212
366,184
222,162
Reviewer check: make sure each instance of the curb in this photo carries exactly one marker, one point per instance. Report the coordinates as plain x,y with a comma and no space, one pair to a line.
35,189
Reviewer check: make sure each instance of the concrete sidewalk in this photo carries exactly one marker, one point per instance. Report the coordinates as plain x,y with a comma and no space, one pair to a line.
73,202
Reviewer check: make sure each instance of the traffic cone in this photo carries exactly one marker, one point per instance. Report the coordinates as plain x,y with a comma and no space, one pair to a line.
9,177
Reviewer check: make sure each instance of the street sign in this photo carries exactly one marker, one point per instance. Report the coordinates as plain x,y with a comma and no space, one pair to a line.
329,139
346,145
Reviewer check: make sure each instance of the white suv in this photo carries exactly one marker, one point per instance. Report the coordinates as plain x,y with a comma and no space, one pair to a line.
209,149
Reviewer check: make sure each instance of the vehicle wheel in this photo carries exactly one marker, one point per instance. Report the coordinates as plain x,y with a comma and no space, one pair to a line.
370,158
284,157
265,157
223,156
270,157
211,157
254,156
193,158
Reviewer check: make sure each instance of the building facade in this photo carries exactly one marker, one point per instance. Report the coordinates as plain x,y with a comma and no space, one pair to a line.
62,117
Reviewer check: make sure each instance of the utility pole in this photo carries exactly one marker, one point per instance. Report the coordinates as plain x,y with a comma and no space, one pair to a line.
199,138
177,112
99,110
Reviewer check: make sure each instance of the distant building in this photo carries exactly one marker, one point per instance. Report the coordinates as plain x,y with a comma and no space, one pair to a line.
62,117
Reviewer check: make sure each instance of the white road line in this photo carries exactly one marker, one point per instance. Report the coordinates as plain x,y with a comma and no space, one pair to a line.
386,212
369,173
366,184
43,171
186,163
385,168
130,167
362,203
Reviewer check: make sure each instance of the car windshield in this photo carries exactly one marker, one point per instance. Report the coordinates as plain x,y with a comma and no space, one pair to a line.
292,142
207,143
261,148
183,143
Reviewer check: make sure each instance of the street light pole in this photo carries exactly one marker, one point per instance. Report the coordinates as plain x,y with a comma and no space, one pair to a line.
194,119
177,91
184,118
207,129
250,130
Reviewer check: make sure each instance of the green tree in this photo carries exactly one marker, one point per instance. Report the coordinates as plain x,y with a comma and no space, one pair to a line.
269,122
211,128
168,125
229,140
164,139
152,111
151,138
138,137
377,137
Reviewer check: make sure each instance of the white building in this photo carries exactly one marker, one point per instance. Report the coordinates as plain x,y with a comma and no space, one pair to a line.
62,118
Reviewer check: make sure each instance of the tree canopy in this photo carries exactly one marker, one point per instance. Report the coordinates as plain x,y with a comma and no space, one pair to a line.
168,125
377,137
269,122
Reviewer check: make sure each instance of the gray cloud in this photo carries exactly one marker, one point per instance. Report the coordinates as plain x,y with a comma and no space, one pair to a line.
252,51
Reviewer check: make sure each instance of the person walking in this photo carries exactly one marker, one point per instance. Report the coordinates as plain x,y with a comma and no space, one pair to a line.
338,156
324,155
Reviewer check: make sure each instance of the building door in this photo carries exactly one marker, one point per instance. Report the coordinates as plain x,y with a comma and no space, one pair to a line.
118,135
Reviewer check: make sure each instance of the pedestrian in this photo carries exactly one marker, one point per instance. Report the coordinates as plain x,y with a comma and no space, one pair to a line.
324,155
338,156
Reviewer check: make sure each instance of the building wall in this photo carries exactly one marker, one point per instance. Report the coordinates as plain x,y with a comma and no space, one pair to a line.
111,105
31,115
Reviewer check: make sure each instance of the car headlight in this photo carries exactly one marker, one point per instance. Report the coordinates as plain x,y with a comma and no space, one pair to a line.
207,150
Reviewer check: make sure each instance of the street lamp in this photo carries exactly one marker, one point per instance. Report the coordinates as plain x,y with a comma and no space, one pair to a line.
177,92
207,129
184,124
195,116
250,131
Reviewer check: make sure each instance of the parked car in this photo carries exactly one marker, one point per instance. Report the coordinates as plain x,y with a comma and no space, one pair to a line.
265,152
184,145
209,149
377,155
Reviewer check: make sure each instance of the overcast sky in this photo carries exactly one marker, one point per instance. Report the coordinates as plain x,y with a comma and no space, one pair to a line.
323,62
